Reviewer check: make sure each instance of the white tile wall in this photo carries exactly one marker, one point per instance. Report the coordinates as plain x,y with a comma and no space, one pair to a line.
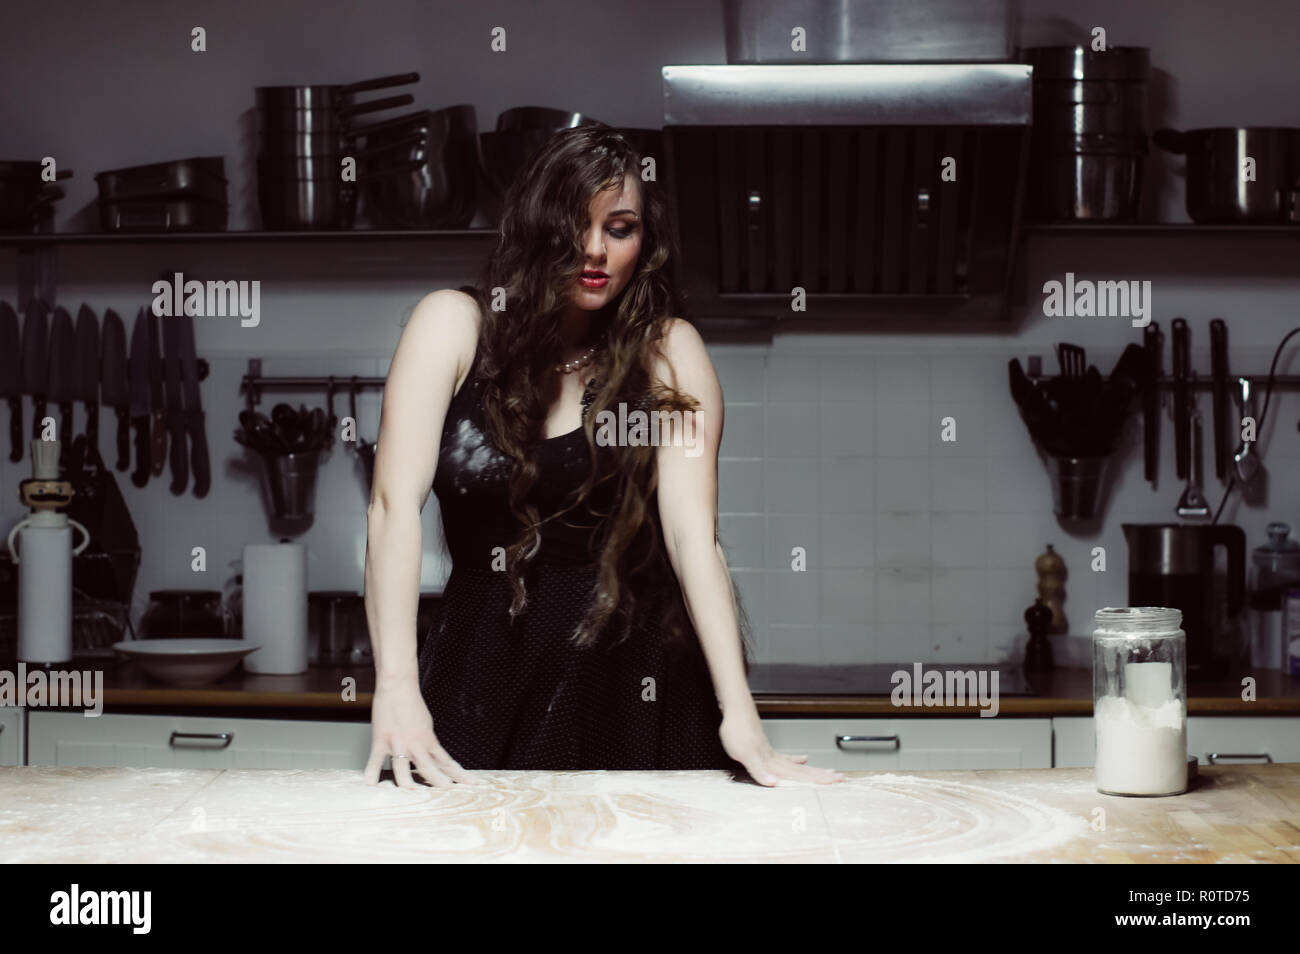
917,546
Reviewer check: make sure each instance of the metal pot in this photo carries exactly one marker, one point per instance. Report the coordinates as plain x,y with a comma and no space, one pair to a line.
424,171
1089,140
337,99
289,204
1216,191
537,117
1089,178
1081,91
202,177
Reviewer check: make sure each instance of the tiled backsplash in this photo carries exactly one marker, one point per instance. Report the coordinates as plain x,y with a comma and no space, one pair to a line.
919,547
916,548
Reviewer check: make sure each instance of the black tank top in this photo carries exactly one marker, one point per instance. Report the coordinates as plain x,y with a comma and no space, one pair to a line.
472,486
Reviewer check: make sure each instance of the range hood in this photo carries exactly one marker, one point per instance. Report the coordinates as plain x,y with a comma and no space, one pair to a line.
866,185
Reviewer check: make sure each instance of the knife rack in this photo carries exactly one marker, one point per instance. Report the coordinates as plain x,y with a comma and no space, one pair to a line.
1204,382
254,383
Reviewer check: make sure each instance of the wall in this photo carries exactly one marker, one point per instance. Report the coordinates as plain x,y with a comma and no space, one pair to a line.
918,549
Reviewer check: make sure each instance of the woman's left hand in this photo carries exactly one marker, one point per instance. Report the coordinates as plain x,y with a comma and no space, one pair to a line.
745,741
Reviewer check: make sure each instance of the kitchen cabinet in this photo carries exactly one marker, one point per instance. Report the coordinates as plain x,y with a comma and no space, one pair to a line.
11,735
165,741
1253,735
913,744
158,741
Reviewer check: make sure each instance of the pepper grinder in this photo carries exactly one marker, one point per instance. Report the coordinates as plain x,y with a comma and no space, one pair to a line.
1038,652
1051,587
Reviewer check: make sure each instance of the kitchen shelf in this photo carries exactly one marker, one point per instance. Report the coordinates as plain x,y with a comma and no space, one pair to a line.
46,239
1172,229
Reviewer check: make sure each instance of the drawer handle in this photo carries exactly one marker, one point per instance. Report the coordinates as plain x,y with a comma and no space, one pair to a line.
1232,755
225,738
841,739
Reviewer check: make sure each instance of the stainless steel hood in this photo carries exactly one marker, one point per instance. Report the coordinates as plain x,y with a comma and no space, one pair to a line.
858,183
849,94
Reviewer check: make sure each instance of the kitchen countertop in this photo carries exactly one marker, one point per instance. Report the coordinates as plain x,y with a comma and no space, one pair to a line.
1233,813
812,691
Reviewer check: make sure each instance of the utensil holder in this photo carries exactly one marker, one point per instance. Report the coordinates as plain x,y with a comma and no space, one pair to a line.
291,483
1077,484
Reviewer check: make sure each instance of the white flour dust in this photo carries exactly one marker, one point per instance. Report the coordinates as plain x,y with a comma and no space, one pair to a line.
906,818
470,452
880,818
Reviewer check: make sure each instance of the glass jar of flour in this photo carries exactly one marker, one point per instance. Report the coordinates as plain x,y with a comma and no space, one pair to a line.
1139,700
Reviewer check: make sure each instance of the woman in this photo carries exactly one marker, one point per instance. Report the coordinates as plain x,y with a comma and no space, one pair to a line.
585,559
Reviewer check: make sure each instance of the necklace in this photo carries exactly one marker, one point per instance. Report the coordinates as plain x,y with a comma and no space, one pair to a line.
584,359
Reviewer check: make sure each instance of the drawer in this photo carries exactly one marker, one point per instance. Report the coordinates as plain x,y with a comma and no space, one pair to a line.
915,744
11,735
1277,736
157,741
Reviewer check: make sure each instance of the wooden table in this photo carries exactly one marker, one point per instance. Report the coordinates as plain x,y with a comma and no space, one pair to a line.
1234,813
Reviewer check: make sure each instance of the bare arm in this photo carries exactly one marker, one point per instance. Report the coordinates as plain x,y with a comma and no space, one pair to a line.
688,510
434,348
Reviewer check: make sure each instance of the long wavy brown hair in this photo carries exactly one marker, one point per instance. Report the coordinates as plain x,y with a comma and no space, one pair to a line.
533,270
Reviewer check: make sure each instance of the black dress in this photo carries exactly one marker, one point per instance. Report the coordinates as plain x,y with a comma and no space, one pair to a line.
521,696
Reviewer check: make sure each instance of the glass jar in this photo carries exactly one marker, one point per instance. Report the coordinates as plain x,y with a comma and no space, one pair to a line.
1139,700
1274,572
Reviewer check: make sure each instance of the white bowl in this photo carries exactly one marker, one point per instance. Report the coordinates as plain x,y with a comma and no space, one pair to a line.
186,662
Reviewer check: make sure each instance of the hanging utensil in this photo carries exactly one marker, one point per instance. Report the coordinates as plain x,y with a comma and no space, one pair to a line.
365,450
1219,373
116,383
1072,359
1246,459
1193,503
139,371
1182,430
11,377
62,360
1152,344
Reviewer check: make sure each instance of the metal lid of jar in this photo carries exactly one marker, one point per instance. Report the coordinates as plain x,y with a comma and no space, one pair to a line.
1280,556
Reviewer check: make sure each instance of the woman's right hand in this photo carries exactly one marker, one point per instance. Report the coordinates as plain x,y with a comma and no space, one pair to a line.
402,726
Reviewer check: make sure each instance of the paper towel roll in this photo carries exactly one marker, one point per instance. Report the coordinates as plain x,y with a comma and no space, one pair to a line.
275,607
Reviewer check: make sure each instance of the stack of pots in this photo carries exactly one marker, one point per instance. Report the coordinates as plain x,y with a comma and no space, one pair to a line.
1090,132
421,171
304,132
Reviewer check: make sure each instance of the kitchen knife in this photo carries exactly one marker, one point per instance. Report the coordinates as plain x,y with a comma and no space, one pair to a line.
1219,375
35,331
140,354
11,377
1151,403
86,381
116,384
194,408
63,349
175,415
157,406
1182,422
